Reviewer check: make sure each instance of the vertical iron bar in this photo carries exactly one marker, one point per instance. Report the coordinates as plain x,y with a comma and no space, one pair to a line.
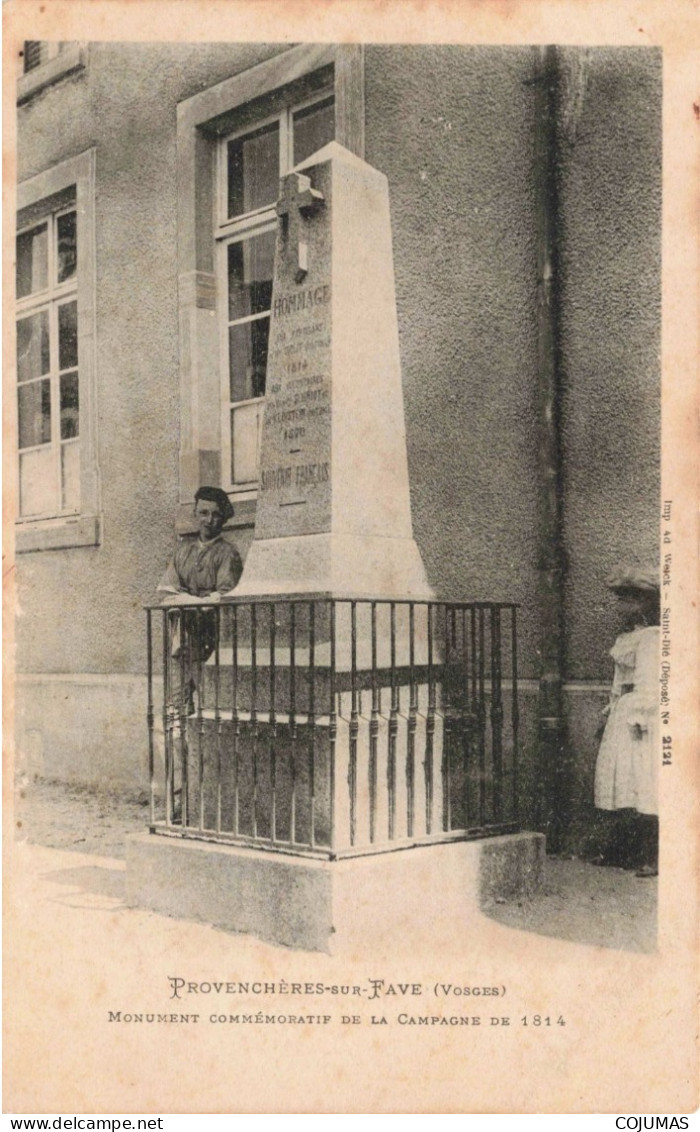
183,704
429,729
292,722
373,728
496,714
354,723
393,728
273,730
235,719
254,711
475,667
218,723
150,718
447,713
198,620
482,719
312,722
332,727
515,714
465,719
168,717
412,723
474,705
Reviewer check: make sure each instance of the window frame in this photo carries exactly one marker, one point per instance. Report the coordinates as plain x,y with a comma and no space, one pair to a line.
48,47
69,58
237,229
50,298
243,489
68,186
202,121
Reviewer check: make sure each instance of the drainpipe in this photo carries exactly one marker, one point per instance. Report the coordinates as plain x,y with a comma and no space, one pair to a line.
553,771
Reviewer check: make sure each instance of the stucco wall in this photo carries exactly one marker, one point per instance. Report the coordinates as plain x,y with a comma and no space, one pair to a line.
611,323
453,129
81,609
458,165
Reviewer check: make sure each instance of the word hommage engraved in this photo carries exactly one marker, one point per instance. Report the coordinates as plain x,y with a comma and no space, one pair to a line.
303,300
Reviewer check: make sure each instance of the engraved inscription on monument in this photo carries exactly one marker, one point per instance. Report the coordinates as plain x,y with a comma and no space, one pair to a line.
295,476
333,508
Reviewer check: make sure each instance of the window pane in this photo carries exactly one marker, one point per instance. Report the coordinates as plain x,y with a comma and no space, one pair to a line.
37,485
68,336
32,261
67,246
33,346
250,264
248,358
253,170
34,414
69,405
70,477
245,442
313,128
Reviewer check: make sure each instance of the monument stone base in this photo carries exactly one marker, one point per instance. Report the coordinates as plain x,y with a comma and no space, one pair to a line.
332,906
361,566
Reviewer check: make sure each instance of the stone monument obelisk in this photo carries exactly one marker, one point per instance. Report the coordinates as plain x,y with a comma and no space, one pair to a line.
333,510
335,724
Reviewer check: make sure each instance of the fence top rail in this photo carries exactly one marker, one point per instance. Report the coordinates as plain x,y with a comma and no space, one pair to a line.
327,598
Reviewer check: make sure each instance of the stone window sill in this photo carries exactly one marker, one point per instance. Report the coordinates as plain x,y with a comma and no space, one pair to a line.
57,534
72,58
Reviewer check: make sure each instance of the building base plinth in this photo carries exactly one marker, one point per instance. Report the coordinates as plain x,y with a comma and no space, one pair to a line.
331,906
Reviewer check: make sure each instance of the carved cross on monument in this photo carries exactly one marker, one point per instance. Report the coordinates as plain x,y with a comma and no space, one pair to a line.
298,201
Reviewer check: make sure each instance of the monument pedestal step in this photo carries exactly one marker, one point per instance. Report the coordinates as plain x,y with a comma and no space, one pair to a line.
339,907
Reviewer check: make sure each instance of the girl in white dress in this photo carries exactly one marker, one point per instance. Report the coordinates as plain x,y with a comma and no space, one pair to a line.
626,770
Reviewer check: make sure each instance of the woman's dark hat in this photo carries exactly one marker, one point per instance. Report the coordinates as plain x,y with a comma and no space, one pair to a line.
216,495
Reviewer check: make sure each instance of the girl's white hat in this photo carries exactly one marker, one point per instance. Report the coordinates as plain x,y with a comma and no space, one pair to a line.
642,578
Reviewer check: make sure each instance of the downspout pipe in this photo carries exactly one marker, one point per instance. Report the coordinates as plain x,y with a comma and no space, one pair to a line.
553,797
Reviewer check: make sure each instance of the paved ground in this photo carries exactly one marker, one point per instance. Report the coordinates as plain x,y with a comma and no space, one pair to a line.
602,907
78,818
94,1026
579,902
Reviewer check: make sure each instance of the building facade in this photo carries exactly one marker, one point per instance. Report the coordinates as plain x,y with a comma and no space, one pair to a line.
525,190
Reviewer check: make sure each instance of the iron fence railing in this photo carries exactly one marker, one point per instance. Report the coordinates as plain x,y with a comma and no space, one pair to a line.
328,727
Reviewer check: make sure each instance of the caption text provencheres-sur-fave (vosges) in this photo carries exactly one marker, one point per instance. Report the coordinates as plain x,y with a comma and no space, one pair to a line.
382,993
